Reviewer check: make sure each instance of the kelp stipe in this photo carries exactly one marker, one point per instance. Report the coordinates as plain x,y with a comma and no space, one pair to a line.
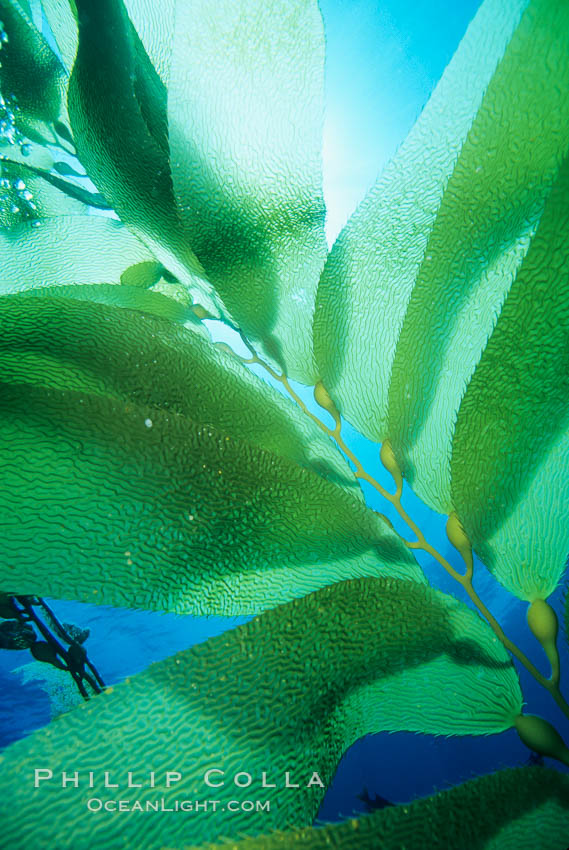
157,470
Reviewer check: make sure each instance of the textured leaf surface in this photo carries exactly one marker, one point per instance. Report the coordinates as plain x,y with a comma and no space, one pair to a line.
242,149
69,188
157,364
26,197
522,809
510,452
67,250
30,73
129,454
289,691
130,297
245,112
371,271
155,26
117,107
61,17
484,226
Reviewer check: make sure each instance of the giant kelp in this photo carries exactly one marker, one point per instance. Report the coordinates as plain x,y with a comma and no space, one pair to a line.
145,466
287,691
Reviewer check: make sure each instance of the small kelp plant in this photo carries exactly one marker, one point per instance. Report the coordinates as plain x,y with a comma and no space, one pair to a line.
161,169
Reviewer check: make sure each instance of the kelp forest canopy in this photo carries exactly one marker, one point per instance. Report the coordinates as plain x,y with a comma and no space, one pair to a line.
161,175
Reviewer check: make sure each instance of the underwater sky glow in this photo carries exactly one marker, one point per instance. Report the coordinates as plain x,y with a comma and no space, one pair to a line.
383,60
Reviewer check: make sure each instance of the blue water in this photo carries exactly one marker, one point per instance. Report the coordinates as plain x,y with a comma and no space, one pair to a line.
383,59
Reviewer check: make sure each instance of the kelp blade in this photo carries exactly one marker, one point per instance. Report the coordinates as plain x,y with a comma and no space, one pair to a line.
154,363
521,809
117,108
32,80
133,496
67,251
285,692
26,199
49,245
155,27
211,172
61,16
49,242
503,183
371,271
528,552
510,450
245,115
131,297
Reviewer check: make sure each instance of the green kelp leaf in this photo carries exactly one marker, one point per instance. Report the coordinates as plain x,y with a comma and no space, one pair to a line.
522,809
161,366
25,5
155,26
29,155
26,199
528,552
126,297
507,169
61,16
32,80
119,438
289,691
33,10
117,107
67,250
245,113
510,452
66,187
371,271
66,170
